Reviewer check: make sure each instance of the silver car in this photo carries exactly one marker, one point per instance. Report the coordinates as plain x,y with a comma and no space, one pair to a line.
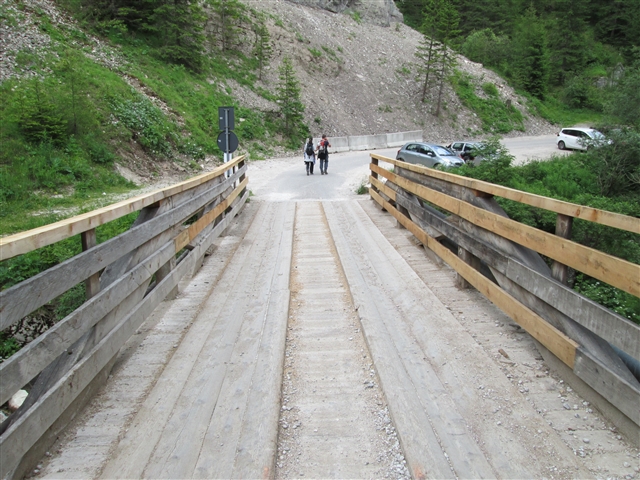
429,155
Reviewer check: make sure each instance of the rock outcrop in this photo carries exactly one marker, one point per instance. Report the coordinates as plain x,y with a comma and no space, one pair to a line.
376,12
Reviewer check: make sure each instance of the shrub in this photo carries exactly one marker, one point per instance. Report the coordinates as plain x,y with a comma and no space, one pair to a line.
145,121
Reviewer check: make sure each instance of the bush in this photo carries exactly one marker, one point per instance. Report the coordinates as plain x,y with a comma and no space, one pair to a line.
485,47
495,114
146,122
615,165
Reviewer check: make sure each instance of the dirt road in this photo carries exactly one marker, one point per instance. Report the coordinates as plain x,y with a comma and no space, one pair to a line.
319,340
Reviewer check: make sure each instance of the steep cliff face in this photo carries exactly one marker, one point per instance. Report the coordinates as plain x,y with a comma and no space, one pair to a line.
376,12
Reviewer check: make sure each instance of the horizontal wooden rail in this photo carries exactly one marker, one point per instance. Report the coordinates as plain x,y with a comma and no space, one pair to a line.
610,326
22,299
569,325
552,338
610,219
607,268
70,358
24,242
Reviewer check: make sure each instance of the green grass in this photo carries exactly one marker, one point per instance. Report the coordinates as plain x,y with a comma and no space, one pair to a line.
496,116
573,179
558,113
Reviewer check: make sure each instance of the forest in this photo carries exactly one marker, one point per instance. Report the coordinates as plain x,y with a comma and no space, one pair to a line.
555,50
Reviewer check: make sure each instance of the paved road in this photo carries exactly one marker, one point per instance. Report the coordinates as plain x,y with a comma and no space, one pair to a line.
525,149
286,179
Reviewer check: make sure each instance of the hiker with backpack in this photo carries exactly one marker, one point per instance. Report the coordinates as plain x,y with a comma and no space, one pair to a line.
309,156
323,154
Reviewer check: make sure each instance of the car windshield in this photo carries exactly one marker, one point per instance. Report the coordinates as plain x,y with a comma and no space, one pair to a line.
596,135
441,151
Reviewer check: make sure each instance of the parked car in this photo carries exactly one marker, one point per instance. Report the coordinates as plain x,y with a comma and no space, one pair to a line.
577,138
428,154
465,150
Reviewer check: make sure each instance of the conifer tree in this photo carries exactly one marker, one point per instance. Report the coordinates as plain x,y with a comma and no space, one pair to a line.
288,94
531,67
262,49
180,24
427,50
226,20
446,25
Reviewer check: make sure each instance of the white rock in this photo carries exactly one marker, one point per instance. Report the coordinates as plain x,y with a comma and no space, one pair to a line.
18,399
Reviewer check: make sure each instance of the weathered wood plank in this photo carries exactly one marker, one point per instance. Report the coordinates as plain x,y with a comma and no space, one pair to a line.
16,440
381,187
92,284
624,395
605,323
595,215
257,441
25,364
558,343
560,271
405,406
24,242
607,268
22,299
196,227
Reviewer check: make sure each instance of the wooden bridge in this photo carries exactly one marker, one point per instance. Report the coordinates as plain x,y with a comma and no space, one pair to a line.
320,287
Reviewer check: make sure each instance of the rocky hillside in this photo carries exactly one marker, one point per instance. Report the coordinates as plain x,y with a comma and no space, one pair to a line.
354,60
364,81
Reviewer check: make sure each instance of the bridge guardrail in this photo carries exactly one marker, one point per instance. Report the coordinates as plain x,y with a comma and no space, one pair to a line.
125,278
590,339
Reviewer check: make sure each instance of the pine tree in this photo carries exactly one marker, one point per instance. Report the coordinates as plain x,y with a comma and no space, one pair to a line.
288,94
427,50
40,120
531,66
226,22
180,23
262,49
446,25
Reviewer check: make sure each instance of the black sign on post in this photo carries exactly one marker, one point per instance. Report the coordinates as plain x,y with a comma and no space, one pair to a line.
225,118
227,141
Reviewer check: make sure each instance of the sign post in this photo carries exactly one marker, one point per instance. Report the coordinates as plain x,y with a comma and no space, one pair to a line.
227,140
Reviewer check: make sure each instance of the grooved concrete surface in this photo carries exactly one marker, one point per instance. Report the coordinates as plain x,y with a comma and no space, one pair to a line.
323,316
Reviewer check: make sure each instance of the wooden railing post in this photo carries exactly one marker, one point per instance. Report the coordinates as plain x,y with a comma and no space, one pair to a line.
92,284
564,224
470,259
163,272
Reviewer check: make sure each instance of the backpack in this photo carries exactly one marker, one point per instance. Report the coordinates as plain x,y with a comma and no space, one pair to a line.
309,149
323,148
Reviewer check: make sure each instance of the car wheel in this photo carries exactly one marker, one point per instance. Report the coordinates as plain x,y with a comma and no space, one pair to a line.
561,145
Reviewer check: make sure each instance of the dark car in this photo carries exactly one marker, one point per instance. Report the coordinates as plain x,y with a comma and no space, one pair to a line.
428,154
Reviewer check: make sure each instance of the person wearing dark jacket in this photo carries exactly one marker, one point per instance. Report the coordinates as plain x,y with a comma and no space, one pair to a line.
323,154
309,155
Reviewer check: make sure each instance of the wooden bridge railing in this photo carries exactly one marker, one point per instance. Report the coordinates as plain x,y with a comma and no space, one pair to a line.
126,277
587,337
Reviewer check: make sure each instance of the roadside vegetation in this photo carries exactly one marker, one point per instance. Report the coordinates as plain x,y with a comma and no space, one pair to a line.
74,111
567,58
607,177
